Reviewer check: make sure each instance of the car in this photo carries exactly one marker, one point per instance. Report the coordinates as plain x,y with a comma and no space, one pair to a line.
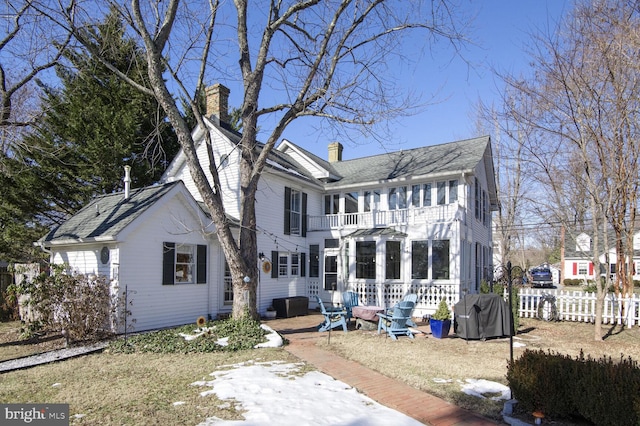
541,277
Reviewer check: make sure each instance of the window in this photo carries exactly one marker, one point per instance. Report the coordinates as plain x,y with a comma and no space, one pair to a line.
365,259
415,195
453,191
283,265
582,268
485,207
331,204
331,243
295,264
426,194
330,272
398,198
351,202
288,264
440,259
314,261
295,212
392,264
184,264
419,259
228,285
477,198
371,200
442,193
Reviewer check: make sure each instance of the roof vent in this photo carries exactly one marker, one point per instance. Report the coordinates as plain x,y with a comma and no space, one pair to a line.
127,181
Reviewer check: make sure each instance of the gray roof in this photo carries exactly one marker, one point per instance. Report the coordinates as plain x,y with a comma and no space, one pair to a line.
453,157
106,215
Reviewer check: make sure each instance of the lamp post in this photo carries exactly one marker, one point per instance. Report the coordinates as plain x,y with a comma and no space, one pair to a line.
510,273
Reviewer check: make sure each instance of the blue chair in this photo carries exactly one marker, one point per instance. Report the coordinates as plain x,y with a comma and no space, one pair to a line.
333,317
396,325
409,297
349,299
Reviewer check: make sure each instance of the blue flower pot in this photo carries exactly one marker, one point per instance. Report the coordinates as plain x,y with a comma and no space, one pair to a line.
440,328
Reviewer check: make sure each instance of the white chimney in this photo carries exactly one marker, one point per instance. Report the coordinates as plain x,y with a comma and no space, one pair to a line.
127,181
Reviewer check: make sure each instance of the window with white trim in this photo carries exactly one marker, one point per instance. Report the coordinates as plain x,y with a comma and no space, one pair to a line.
583,268
184,263
228,285
398,198
295,264
283,265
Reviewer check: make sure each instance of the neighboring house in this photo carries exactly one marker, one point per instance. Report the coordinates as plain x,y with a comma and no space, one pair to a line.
416,220
578,259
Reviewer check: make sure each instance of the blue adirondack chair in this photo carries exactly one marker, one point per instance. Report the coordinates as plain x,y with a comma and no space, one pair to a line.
409,297
396,325
350,299
333,317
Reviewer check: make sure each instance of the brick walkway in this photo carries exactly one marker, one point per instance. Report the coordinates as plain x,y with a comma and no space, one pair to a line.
430,410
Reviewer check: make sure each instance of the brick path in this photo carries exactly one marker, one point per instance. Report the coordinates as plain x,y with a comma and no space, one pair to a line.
426,408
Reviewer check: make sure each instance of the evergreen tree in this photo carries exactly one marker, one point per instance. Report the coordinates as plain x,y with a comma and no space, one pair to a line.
94,123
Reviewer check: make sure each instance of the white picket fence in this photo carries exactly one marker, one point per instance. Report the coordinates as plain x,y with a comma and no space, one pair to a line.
581,306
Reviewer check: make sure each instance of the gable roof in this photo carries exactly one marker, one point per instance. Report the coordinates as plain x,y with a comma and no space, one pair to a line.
277,161
106,216
444,159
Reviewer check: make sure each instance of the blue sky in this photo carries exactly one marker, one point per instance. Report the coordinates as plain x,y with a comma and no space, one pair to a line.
501,30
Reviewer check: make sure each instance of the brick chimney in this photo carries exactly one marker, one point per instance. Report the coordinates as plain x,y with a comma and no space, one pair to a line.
335,152
218,102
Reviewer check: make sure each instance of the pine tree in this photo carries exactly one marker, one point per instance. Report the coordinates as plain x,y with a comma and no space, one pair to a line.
94,123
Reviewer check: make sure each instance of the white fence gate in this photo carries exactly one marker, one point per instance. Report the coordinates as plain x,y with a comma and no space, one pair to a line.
581,306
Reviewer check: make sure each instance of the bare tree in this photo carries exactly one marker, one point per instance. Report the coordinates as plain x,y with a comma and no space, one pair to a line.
585,97
29,45
328,59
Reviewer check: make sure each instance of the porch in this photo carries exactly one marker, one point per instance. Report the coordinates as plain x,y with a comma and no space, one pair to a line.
385,218
387,294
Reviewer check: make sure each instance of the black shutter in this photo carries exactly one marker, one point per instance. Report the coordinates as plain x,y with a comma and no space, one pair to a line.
168,263
303,265
304,214
274,264
287,211
201,265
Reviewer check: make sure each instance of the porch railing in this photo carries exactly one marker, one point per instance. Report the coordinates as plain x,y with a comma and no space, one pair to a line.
382,218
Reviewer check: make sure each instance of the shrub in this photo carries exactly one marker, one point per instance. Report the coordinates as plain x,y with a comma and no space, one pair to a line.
79,306
601,391
442,313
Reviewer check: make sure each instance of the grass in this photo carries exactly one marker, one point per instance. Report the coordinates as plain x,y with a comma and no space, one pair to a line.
421,360
131,389
140,388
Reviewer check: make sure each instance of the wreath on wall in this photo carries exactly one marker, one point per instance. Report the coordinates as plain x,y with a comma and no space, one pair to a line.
266,266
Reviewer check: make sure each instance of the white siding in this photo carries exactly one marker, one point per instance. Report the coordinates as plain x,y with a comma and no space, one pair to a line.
229,172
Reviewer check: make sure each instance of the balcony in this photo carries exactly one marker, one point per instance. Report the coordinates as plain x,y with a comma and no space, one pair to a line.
385,218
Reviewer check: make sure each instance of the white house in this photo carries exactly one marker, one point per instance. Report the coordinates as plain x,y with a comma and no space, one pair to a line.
416,220
578,259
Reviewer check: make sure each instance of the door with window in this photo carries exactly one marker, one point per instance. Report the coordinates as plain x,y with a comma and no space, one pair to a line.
330,278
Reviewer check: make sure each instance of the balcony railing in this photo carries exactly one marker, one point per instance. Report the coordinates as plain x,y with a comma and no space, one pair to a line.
383,218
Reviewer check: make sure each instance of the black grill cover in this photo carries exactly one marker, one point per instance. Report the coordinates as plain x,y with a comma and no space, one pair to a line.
482,316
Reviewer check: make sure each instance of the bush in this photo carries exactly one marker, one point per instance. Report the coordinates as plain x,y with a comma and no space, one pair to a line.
79,306
601,391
